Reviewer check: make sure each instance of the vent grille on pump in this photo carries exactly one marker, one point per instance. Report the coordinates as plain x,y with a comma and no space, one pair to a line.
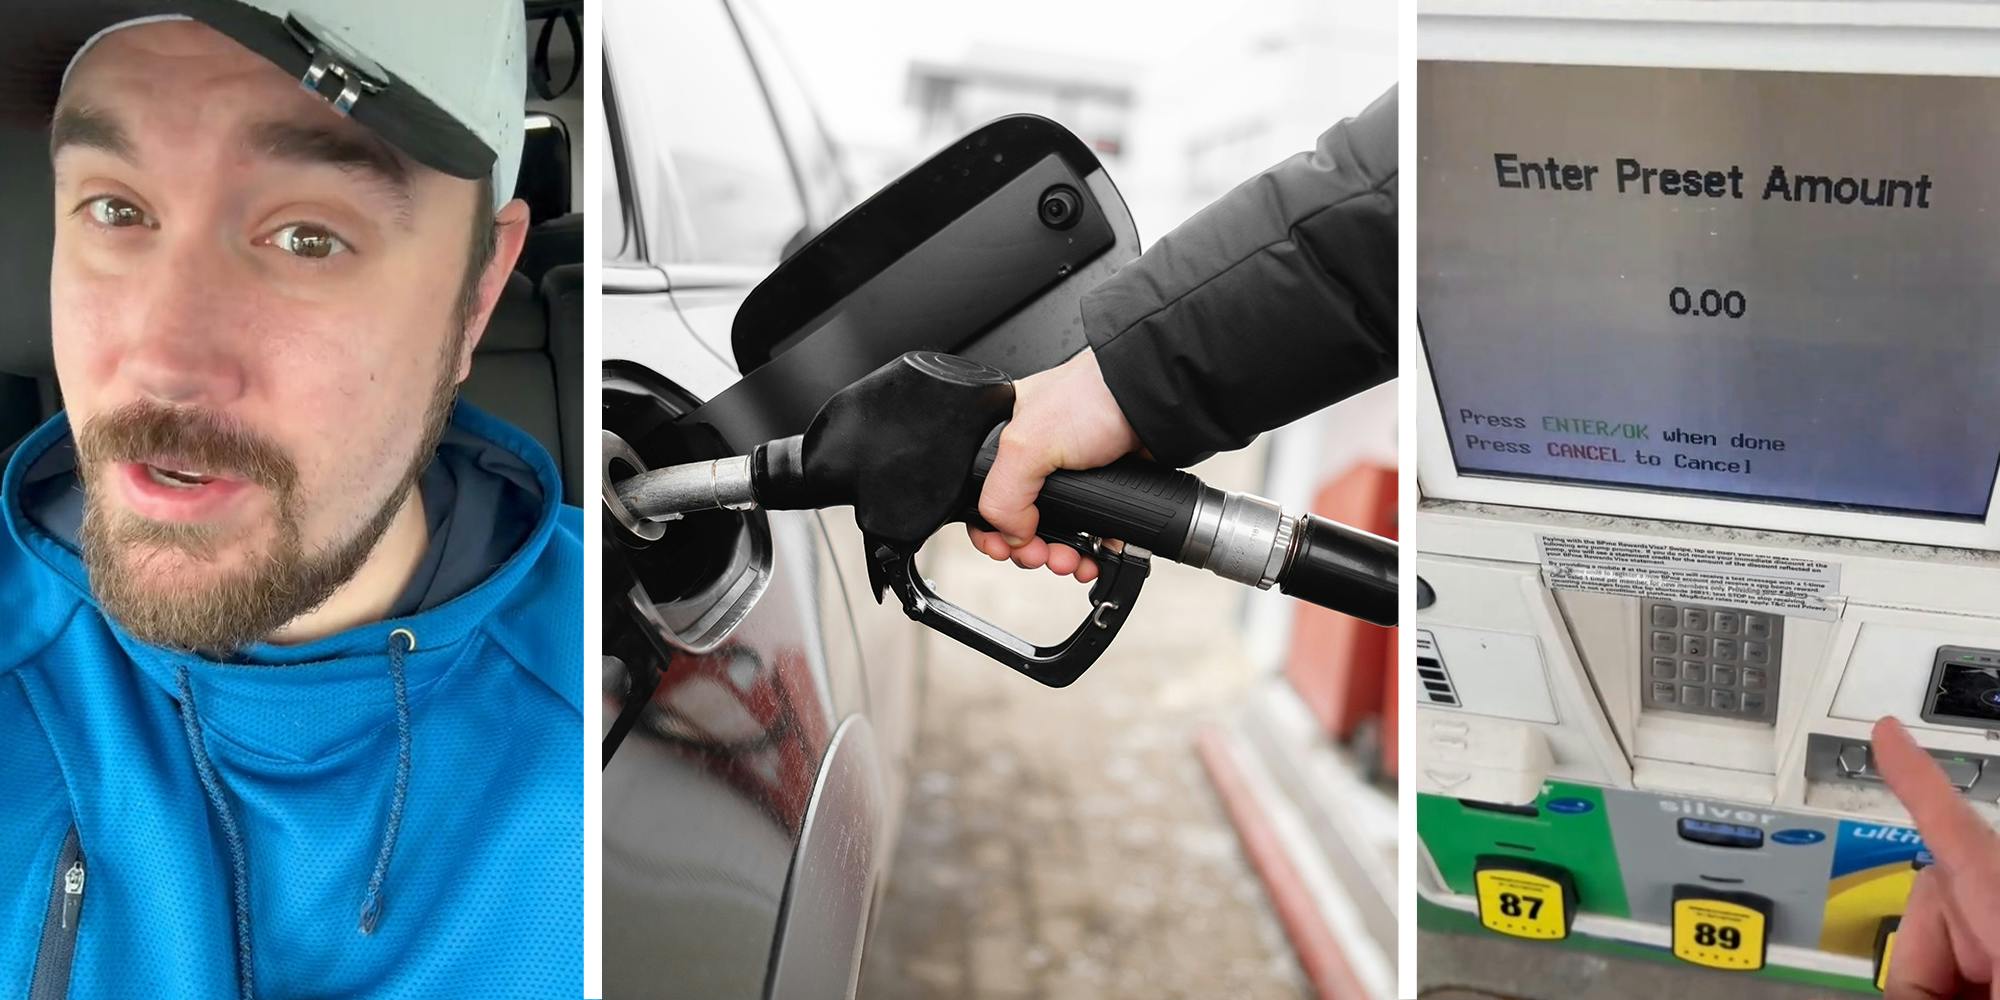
1432,676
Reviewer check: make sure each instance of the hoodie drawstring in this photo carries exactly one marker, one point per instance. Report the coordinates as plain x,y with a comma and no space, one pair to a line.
371,905
239,871
401,643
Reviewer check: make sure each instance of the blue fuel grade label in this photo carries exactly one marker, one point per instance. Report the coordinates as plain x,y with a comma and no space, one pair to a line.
1718,834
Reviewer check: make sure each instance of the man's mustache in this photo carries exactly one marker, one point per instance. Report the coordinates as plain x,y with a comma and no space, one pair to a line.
185,439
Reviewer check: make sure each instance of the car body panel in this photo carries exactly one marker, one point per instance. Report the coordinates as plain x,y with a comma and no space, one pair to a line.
706,799
715,799
822,943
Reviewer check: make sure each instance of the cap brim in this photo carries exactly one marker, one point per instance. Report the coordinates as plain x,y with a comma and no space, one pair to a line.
45,34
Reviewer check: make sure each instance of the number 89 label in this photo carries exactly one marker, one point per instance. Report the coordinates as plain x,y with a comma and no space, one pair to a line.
1521,904
1720,934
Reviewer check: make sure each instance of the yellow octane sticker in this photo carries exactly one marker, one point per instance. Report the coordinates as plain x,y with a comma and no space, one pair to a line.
1719,935
1882,964
1521,904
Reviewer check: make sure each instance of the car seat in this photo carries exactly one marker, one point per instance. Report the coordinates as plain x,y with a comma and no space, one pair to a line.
523,372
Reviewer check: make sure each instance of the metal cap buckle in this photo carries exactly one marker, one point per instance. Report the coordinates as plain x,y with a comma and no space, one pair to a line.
357,74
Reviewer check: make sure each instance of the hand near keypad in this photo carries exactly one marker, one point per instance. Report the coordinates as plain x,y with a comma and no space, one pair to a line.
1949,942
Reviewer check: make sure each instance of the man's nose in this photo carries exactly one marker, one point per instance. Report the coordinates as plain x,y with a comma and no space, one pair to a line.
184,349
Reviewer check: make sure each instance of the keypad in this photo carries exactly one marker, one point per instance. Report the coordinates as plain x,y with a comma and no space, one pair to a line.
1711,661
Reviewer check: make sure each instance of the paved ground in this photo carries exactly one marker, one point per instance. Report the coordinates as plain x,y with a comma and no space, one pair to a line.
1066,843
1474,967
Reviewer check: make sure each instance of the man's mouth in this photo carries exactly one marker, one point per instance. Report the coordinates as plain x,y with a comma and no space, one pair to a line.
177,478
173,490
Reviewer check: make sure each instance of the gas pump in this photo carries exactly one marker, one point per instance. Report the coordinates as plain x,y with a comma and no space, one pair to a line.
1709,426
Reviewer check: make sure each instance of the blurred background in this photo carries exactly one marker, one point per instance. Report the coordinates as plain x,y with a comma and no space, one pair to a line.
1210,811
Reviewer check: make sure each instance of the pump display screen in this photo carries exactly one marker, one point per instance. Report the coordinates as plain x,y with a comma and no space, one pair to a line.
1754,285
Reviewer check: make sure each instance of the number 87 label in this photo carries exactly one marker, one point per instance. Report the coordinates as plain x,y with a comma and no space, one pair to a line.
1523,903
1720,930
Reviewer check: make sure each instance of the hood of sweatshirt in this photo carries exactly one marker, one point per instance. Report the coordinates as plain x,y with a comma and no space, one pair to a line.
306,756
491,500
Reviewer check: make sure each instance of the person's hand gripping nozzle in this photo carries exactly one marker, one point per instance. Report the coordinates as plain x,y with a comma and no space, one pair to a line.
908,447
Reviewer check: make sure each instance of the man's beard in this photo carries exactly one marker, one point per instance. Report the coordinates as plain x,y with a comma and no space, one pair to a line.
276,585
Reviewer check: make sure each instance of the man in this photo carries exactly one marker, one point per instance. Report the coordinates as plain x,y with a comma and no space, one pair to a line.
290,679
1277,300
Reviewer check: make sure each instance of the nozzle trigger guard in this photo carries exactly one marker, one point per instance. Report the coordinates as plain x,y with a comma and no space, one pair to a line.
1121,574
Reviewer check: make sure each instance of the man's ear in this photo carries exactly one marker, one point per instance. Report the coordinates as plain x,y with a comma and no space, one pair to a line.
510,232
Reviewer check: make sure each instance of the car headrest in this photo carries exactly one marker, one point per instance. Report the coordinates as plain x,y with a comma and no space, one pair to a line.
544,179
27,231
550,244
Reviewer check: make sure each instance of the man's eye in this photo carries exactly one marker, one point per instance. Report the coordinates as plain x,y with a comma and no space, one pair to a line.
117,213
306,240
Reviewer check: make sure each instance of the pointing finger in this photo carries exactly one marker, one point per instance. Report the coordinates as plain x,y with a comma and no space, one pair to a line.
1955,835
1923,964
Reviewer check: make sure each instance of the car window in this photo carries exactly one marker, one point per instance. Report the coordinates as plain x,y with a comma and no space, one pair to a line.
614,229
819,172
685,77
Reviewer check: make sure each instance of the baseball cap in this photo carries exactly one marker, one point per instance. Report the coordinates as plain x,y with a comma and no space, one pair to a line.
444,81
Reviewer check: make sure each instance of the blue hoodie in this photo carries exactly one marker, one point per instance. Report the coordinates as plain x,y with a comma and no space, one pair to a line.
176,826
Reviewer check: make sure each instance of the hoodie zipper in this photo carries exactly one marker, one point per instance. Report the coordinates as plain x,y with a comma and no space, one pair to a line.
58,951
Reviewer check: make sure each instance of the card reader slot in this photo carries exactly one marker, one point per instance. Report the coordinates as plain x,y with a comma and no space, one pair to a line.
1847,760
1857,763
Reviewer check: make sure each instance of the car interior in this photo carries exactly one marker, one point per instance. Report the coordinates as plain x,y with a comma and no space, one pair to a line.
527,369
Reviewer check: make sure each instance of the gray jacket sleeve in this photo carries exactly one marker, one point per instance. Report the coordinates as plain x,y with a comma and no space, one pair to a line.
1276,300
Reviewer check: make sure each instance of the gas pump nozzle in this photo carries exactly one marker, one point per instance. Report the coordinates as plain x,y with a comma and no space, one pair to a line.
909,445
